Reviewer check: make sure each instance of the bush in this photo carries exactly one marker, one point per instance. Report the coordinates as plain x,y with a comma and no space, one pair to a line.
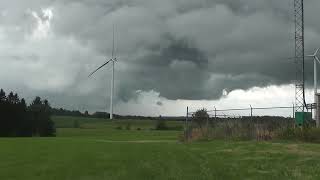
201,118
119,127
161,125
287,134
312,135
128,126
76,124
300,134
176,128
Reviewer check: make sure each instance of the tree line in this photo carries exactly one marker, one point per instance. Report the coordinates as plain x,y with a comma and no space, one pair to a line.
101,115
17,119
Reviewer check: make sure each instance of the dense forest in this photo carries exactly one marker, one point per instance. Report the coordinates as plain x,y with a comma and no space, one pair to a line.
17,119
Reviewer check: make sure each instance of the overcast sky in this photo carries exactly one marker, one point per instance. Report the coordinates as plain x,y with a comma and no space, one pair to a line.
171,53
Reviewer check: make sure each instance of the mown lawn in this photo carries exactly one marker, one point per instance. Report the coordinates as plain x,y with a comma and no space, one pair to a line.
102,152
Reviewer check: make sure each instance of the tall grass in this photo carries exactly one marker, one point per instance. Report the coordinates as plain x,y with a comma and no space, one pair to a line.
245,128
253,128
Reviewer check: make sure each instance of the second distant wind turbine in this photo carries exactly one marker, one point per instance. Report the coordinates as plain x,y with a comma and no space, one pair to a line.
315,73
315,81
112,60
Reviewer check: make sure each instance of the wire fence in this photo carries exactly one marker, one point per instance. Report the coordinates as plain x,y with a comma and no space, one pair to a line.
260,123
250,111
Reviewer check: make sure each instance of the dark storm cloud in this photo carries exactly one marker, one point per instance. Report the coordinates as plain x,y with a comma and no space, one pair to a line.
178,71
183,49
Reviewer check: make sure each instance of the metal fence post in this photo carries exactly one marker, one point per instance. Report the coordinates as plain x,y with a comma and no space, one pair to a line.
215,113
207,123
250,111
187,116
186,124
293,111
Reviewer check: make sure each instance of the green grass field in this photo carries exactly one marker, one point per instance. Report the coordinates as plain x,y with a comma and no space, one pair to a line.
97,150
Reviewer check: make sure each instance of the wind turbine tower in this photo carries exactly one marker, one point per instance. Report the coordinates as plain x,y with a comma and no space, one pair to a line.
112,81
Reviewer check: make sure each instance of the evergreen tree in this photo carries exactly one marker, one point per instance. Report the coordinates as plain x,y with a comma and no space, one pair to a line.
10,98
35,112
2,96
16,99
3,113
86,113
47,125
40,113
25,125
16,119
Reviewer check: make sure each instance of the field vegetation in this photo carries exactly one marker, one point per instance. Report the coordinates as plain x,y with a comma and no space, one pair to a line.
265,128
97,150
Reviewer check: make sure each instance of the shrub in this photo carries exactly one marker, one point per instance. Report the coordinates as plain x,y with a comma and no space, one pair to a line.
119,127
305,134
161,125
312,135
76,124
287,134
176,128
201,117
128,126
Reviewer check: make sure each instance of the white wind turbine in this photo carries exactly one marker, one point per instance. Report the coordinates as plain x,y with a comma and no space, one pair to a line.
112,60
315,61
315,81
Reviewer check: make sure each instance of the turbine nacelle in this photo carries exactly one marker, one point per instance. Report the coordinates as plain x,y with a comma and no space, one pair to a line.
315,55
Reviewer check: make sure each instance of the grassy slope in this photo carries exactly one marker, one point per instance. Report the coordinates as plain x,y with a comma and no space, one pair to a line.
89,153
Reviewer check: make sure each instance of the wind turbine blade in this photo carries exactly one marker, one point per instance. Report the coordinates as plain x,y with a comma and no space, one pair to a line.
317,59
113,42
99,68
316,52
